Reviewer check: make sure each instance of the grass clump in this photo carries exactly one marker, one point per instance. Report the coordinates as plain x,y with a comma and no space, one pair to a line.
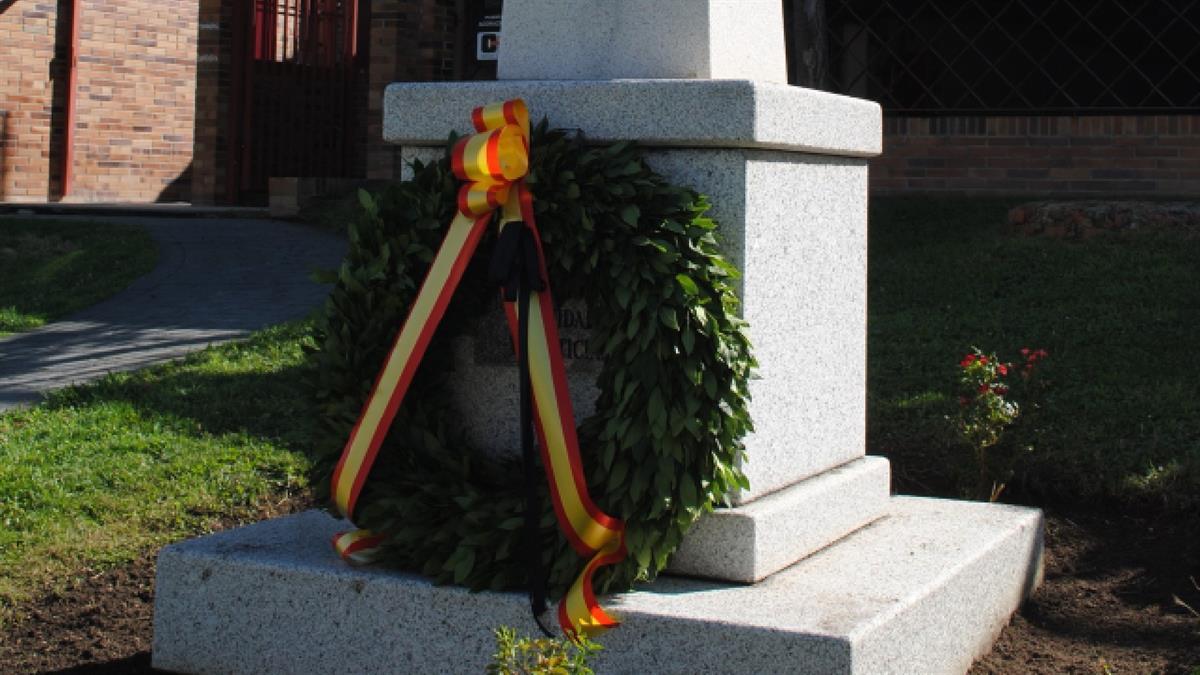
102,472
1115,422
49,269
541,656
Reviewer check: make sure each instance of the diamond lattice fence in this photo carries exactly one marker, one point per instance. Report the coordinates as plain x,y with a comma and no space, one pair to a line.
973,56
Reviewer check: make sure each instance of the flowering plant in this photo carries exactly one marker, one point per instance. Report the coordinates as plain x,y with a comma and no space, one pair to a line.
985,409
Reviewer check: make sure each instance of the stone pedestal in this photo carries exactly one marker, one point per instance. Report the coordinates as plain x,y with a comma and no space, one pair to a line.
844,577
786,171
614,39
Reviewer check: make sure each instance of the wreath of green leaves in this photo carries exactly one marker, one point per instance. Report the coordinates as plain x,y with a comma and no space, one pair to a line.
664,443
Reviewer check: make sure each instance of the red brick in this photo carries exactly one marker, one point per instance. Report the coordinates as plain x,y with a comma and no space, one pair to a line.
1089,155
121,69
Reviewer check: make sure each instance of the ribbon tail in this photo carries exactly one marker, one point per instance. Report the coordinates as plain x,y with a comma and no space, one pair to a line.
592,533
358,547
393,381
579,612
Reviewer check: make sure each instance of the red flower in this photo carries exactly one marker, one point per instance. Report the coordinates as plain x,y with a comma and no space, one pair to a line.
1002,368
983,389
983,360
967,360
1000,389
1025,351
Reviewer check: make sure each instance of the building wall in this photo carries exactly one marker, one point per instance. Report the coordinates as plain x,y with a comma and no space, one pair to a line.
1118,155
153,104
214,62
27,78
411,41
135,100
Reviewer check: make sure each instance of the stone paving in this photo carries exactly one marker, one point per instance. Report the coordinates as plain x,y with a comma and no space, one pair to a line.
216,280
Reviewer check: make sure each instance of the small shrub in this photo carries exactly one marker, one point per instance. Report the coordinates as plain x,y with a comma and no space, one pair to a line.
541,656
986,410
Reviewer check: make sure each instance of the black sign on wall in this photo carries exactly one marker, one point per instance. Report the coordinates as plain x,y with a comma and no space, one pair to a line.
482,43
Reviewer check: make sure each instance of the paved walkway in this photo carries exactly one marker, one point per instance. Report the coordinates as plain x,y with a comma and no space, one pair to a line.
216,280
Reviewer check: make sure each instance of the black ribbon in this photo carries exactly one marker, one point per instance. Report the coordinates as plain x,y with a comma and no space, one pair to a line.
514,266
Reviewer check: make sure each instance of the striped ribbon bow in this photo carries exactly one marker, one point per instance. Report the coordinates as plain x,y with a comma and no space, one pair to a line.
493,162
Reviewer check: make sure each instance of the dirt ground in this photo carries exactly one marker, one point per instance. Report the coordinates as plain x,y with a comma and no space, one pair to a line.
1117,599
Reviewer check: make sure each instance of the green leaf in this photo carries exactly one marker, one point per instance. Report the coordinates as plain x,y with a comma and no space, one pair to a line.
688,338
643,557
655,409
687,491
465,563
623,295
617,475
630,213
667,315
688,284
368,203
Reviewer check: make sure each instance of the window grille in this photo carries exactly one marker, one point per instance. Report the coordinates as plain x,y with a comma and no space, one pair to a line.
1017,56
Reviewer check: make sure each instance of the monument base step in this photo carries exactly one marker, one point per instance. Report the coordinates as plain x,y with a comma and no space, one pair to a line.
925,589
751,542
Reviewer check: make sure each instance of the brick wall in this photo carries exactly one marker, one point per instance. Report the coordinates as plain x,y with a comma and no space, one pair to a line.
411,41
135,100
1061,155
27,78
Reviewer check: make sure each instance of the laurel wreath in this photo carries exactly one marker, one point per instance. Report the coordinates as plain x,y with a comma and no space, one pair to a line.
664,444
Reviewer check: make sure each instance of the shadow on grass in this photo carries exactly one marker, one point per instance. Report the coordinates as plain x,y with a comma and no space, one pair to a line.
1114,425
274,405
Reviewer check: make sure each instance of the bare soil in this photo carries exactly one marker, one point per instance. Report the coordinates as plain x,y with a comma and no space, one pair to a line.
1116,600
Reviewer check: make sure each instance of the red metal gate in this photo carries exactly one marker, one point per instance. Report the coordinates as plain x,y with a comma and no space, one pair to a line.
294,109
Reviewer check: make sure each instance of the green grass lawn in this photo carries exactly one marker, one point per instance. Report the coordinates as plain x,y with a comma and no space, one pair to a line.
49,269
100,473
1118,422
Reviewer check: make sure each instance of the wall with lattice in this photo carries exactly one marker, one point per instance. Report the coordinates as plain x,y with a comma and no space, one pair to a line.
1018,56
1062,97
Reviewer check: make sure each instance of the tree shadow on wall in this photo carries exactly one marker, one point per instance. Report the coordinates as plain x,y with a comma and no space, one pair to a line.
57,71
5,151
179,189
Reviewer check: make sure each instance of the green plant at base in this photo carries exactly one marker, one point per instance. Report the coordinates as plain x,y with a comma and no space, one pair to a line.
541,656
664,444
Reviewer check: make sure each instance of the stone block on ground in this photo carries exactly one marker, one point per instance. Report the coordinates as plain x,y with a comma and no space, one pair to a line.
923,590
749,543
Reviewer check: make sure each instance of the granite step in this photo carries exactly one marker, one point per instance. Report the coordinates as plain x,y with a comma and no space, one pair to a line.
925,589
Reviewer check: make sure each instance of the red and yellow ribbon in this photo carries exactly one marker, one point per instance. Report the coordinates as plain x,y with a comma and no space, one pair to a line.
493,162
